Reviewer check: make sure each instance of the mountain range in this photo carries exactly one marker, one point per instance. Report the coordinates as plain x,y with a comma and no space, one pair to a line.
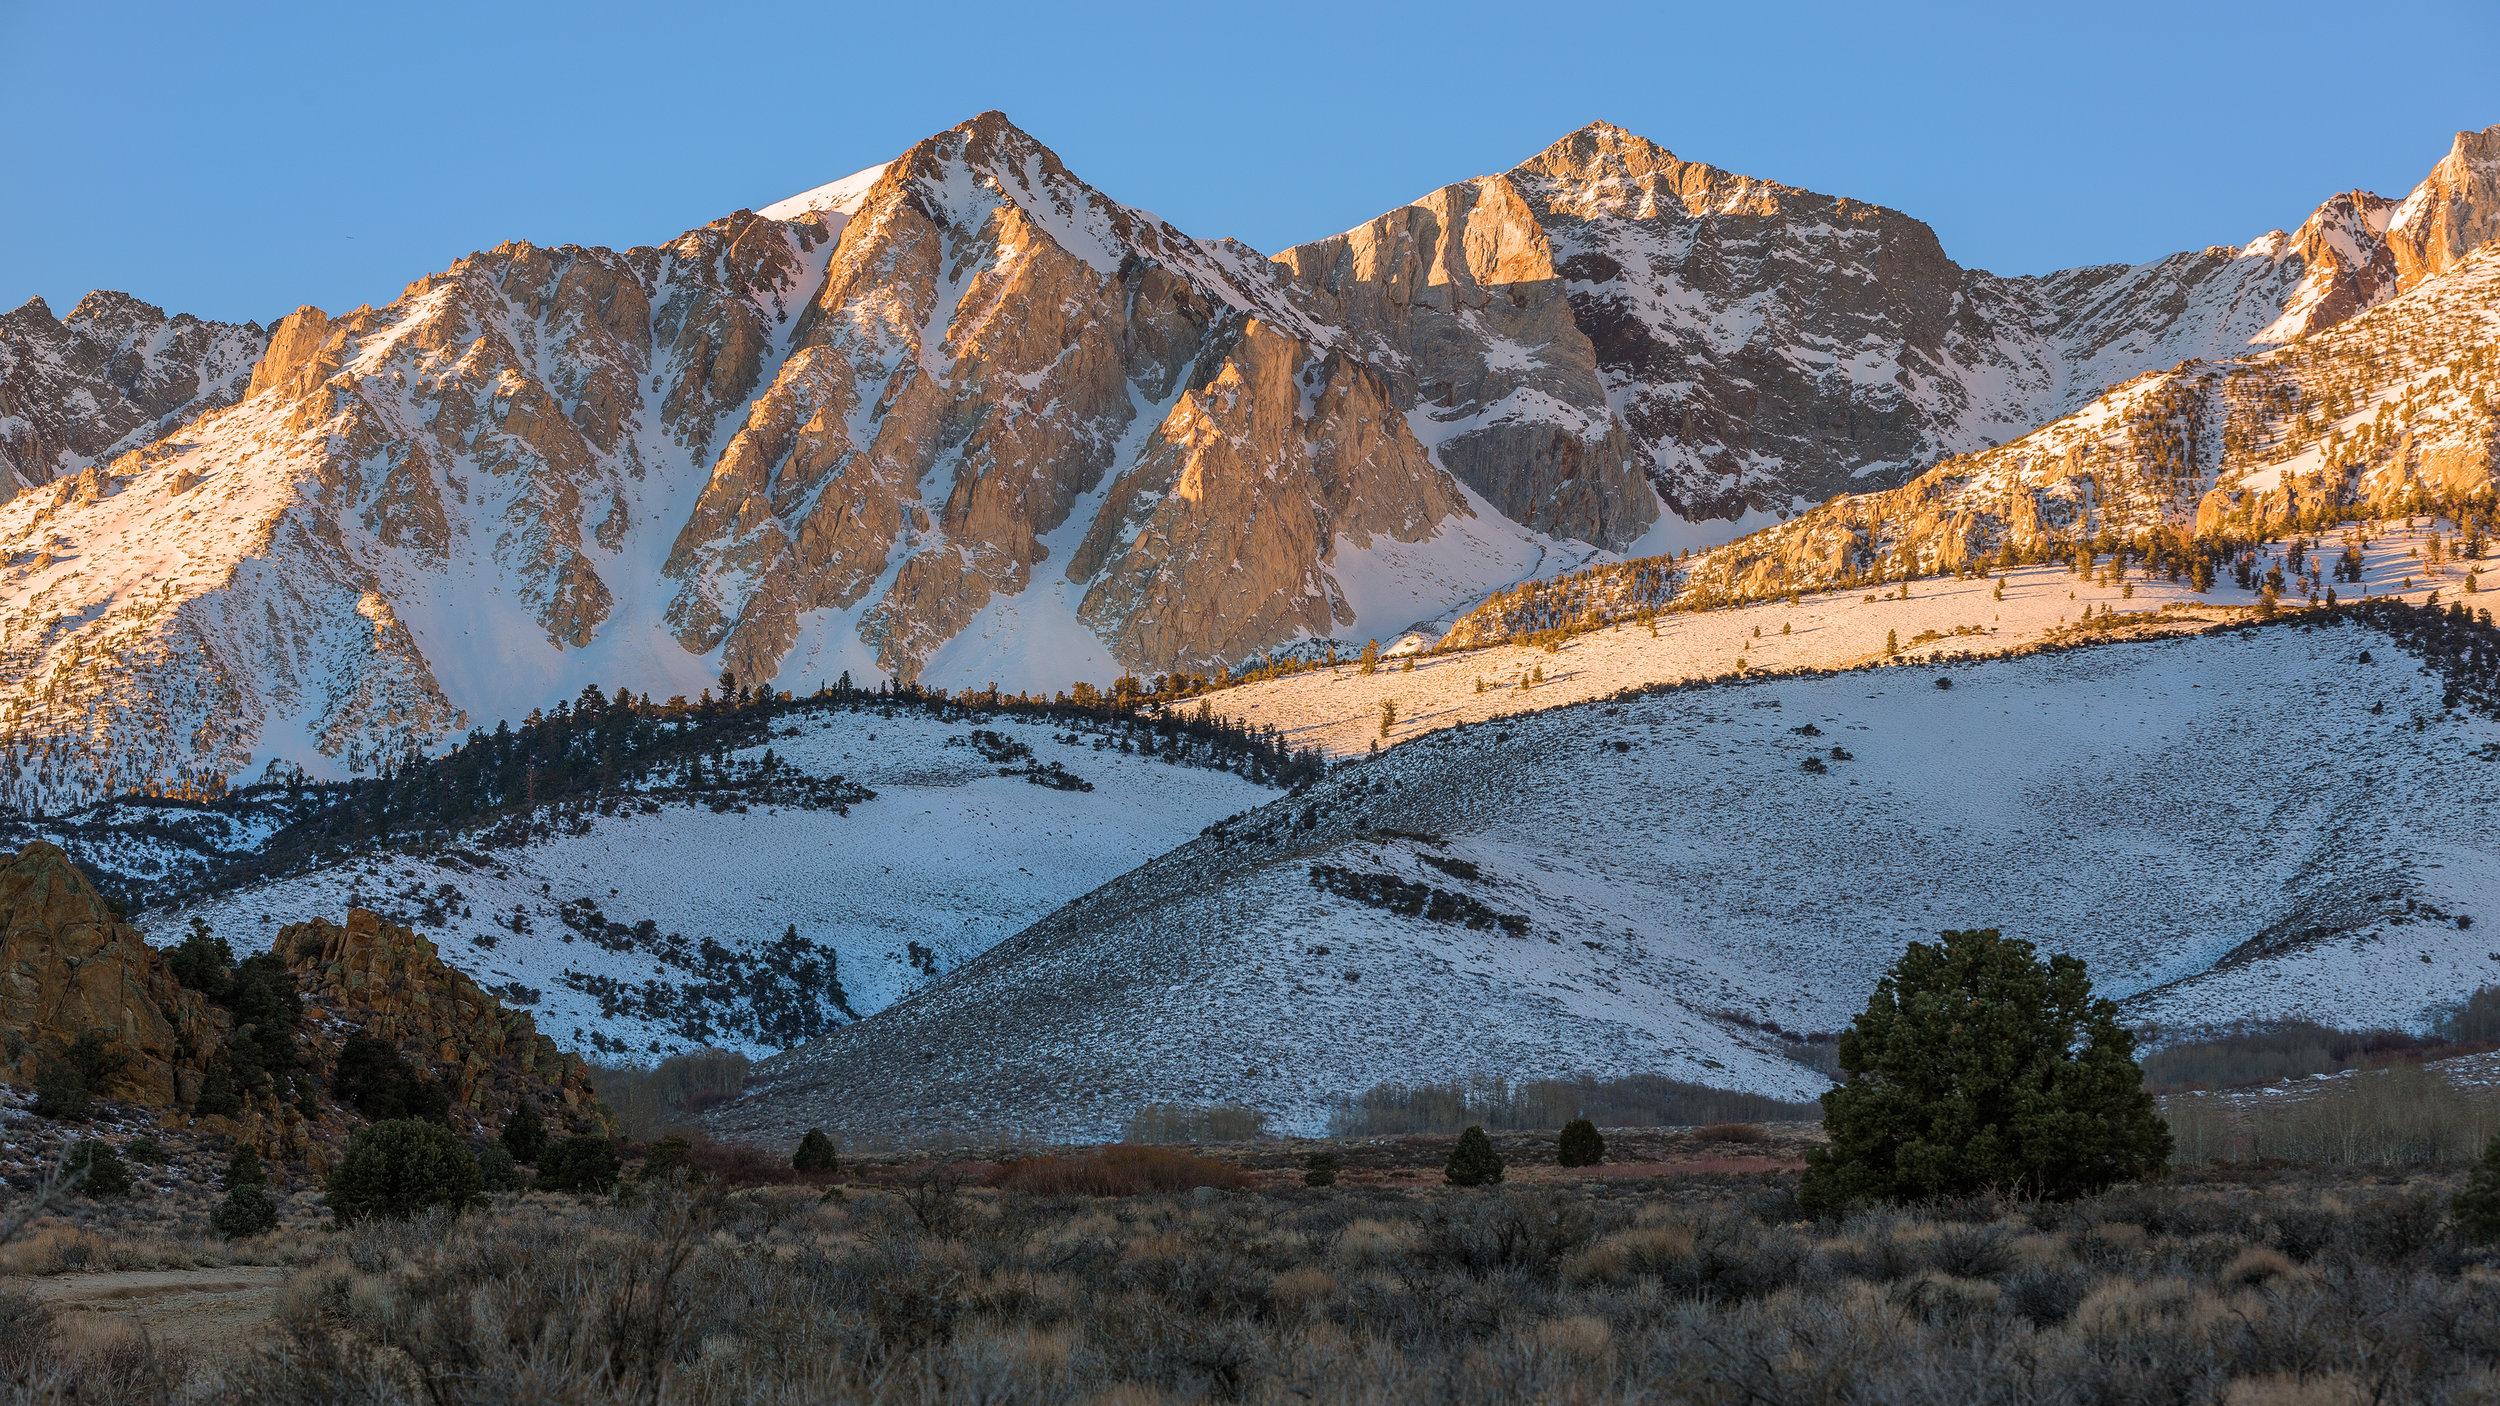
962,418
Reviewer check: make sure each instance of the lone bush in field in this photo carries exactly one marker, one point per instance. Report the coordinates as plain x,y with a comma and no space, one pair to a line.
1473,1162
1320,1169
401,1166
1580,1145
583,1163
2477,1203
100,1170
248,1209
1977,1068
815,1153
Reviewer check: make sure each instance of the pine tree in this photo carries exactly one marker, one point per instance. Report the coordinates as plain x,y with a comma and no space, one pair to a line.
1370,662
248,1208
217,1093
399,1167
1320,1169
671,1159
1473,1162
1892,641
2477,1203
524,1136
498,1171
99,1169
1977,1068
584,1163
816,1153
1580,1146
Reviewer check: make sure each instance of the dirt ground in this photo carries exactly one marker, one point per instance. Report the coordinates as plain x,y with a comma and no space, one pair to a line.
206,1310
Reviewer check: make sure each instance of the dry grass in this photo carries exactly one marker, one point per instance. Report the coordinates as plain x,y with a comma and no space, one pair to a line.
1732,1132
1116,1171
2282,1290
78,1235
1638,1101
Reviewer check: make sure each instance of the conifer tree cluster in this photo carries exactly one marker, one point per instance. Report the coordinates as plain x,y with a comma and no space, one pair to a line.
602,753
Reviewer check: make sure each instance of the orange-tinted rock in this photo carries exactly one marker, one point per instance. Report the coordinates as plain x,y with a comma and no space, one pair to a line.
68,967
389,983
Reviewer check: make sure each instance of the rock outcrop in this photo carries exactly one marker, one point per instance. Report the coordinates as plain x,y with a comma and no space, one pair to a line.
2391,411
383,980
70,968
2453,213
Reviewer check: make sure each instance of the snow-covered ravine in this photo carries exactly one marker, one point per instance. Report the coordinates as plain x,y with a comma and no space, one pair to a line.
949,858
1339,710
1687,880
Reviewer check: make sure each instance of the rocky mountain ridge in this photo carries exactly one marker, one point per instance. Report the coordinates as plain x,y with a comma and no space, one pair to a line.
111,377
964,418
2390,413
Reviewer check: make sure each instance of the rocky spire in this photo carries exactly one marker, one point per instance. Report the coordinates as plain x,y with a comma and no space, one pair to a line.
2453,212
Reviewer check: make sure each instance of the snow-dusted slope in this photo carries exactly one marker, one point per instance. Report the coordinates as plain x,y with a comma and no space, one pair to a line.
947,859
1338,709
838,200
449,509
1689,887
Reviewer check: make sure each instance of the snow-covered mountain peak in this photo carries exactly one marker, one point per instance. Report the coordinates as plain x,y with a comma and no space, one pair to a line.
840,198
1603,170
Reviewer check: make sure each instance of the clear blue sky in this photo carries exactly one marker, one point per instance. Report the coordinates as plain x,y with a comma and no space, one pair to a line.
236,160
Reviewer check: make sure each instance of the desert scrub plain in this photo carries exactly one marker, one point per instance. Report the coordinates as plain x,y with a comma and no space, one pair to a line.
938,1282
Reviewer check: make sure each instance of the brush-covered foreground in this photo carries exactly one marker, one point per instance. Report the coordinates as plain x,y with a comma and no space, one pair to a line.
2277,1288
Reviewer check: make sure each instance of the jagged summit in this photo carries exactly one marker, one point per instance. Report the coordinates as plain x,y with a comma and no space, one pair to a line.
1604,168
2453,212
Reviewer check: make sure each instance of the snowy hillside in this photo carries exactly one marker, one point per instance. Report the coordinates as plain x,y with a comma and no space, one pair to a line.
2274,822
1338,709
949,857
